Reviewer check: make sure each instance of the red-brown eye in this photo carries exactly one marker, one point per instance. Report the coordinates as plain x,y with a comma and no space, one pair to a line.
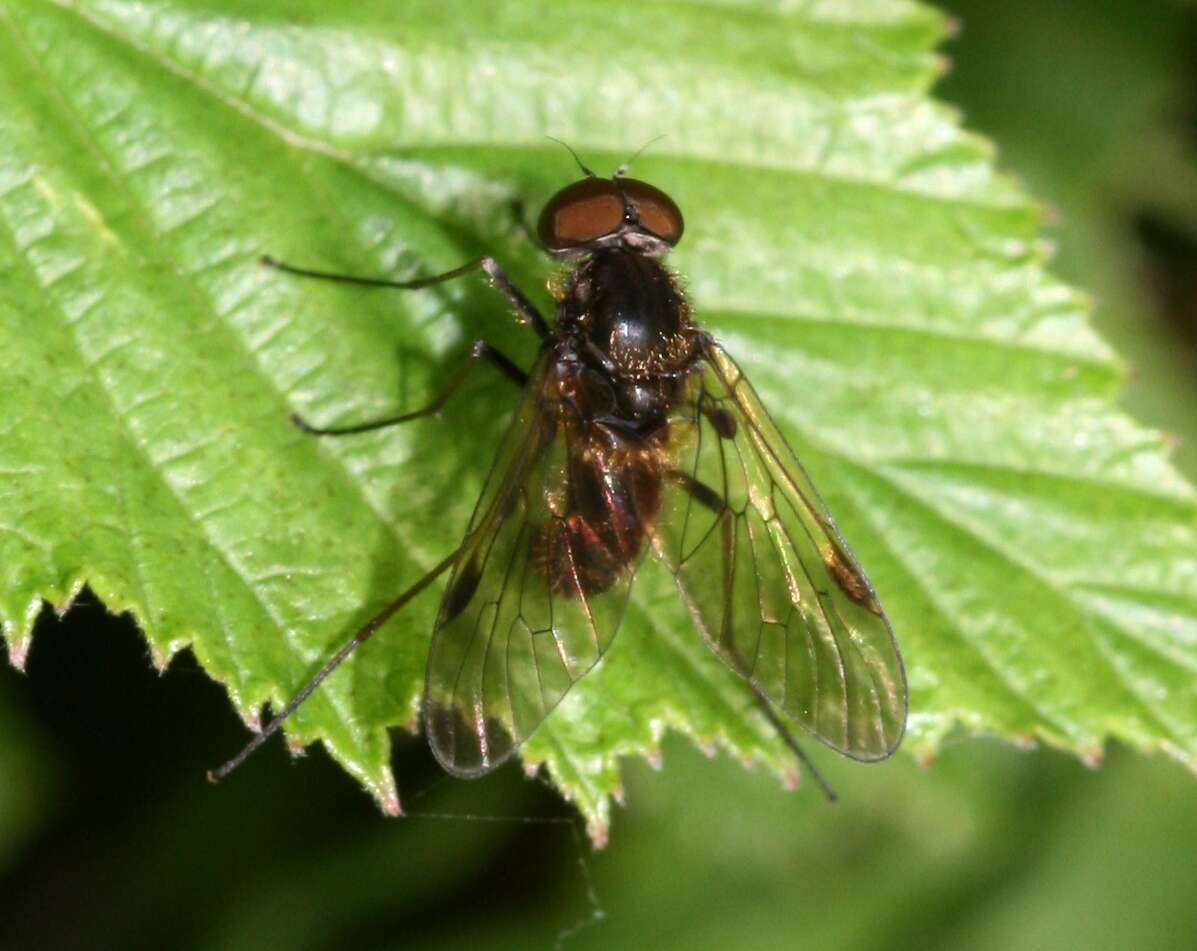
658,213
580,213
594,208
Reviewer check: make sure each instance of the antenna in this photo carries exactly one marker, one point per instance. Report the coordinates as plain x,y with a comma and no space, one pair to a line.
565,145
623,169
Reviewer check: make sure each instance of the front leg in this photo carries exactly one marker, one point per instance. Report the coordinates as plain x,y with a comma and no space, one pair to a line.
497,278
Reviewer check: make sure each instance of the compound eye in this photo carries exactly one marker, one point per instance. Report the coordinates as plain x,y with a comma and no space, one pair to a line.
580,213
658,213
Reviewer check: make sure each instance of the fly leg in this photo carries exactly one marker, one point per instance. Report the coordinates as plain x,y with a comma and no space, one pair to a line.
707,497
364,633
481,350
525,311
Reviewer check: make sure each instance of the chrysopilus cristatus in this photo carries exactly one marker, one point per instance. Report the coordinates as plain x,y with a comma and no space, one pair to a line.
635,432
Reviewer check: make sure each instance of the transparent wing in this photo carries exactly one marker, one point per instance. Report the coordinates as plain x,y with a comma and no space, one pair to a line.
533,602
770,582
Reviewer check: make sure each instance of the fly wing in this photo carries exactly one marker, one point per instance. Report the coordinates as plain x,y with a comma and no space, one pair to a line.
769,580
522,619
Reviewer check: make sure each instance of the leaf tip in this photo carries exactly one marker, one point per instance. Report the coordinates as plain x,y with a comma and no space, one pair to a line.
598,829
160,659
252,720
386,794
411,724
18,653
63,604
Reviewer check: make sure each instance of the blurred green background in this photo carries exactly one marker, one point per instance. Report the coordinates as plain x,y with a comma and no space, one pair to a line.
1094,105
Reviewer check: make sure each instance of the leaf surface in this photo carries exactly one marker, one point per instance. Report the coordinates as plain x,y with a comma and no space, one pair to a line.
851,247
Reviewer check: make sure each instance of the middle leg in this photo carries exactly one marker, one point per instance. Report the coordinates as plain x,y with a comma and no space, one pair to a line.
481,350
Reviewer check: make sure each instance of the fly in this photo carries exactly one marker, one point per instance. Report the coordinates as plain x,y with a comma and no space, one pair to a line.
635,432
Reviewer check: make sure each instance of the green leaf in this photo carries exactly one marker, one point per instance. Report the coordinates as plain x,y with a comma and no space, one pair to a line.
882,287
1037,76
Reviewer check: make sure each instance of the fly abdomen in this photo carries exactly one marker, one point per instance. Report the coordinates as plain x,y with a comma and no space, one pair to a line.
615,496
576,557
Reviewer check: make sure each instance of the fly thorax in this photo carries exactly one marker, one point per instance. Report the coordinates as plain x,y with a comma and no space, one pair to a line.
587,392
648,399
633,314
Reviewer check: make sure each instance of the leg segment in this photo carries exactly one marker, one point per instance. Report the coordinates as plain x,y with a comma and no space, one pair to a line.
524,309
480,351
363,634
